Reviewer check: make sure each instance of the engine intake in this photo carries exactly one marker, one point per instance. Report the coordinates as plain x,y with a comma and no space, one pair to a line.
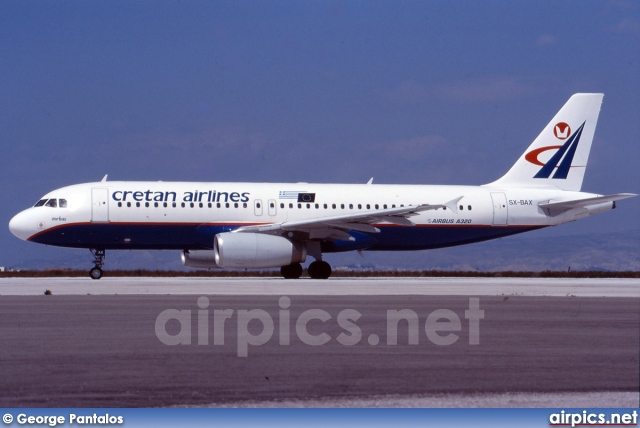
256,250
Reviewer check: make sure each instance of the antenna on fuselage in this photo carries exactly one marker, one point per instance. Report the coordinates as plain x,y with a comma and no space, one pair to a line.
104,179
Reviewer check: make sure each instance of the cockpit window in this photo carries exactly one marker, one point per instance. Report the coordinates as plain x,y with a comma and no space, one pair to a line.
52,203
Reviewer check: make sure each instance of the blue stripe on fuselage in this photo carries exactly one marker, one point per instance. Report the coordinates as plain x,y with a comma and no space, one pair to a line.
180,236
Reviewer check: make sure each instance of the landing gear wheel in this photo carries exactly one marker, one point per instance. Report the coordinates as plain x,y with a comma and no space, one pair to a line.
95,273
291,271
98,261
319,270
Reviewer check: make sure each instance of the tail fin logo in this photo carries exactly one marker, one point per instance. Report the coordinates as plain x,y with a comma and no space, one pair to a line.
562,158
562,130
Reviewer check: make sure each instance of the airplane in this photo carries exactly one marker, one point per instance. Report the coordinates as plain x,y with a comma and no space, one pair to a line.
271,225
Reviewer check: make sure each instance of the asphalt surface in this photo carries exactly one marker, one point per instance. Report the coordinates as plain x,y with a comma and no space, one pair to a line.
379,286
104,351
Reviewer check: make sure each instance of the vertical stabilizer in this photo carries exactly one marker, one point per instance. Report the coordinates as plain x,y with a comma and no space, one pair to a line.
558,157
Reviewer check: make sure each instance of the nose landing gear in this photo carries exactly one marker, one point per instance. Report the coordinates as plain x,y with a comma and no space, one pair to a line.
98,260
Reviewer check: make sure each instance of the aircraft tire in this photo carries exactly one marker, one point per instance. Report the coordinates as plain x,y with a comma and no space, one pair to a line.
96,273
319,270
291,271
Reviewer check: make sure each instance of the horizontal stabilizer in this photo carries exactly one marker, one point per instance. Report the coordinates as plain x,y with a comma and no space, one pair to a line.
559,207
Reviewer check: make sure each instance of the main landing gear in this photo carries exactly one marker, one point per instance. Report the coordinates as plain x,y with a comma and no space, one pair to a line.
319,270
292,271
98,259
316,270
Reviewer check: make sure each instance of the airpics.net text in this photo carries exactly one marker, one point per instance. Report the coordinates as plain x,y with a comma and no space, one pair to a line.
256,327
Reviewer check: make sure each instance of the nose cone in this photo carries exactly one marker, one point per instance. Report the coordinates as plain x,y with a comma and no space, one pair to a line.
20,227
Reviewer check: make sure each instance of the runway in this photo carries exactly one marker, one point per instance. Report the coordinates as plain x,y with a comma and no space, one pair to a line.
560,287
538,341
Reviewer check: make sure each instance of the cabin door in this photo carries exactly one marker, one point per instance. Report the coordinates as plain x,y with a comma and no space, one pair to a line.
99,205
499,209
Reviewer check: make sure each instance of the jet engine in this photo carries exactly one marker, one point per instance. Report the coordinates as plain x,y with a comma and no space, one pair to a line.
256,250
199,259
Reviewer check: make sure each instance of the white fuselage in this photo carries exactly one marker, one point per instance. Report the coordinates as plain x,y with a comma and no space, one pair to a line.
186,215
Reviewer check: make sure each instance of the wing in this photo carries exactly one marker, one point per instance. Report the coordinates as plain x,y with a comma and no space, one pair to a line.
336,227
556,208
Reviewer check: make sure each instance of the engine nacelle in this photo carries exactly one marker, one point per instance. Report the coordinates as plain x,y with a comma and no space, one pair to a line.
199,259
256,250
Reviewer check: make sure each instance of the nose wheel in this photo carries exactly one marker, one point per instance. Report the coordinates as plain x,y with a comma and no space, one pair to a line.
96,273
98,260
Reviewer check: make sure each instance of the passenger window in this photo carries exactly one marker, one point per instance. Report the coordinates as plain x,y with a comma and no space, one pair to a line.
137,204
368,206
165,205
325,206
128,204
218,205
183,205
192,205
244,205
271,205
290,205
40,203
257,205
53,203
308,206
146,204
119,204
235,205
173,204
359,206
299,206
226,205
461,207
393,206
342,206
377,206
333,206
209,205
469,207
281,205
317,206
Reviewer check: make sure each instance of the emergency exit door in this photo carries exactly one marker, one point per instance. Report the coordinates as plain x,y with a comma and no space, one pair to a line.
257,207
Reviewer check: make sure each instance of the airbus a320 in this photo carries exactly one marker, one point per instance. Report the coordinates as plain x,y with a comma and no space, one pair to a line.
271,225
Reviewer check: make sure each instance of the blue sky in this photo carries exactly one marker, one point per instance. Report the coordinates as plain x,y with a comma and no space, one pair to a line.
318,91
